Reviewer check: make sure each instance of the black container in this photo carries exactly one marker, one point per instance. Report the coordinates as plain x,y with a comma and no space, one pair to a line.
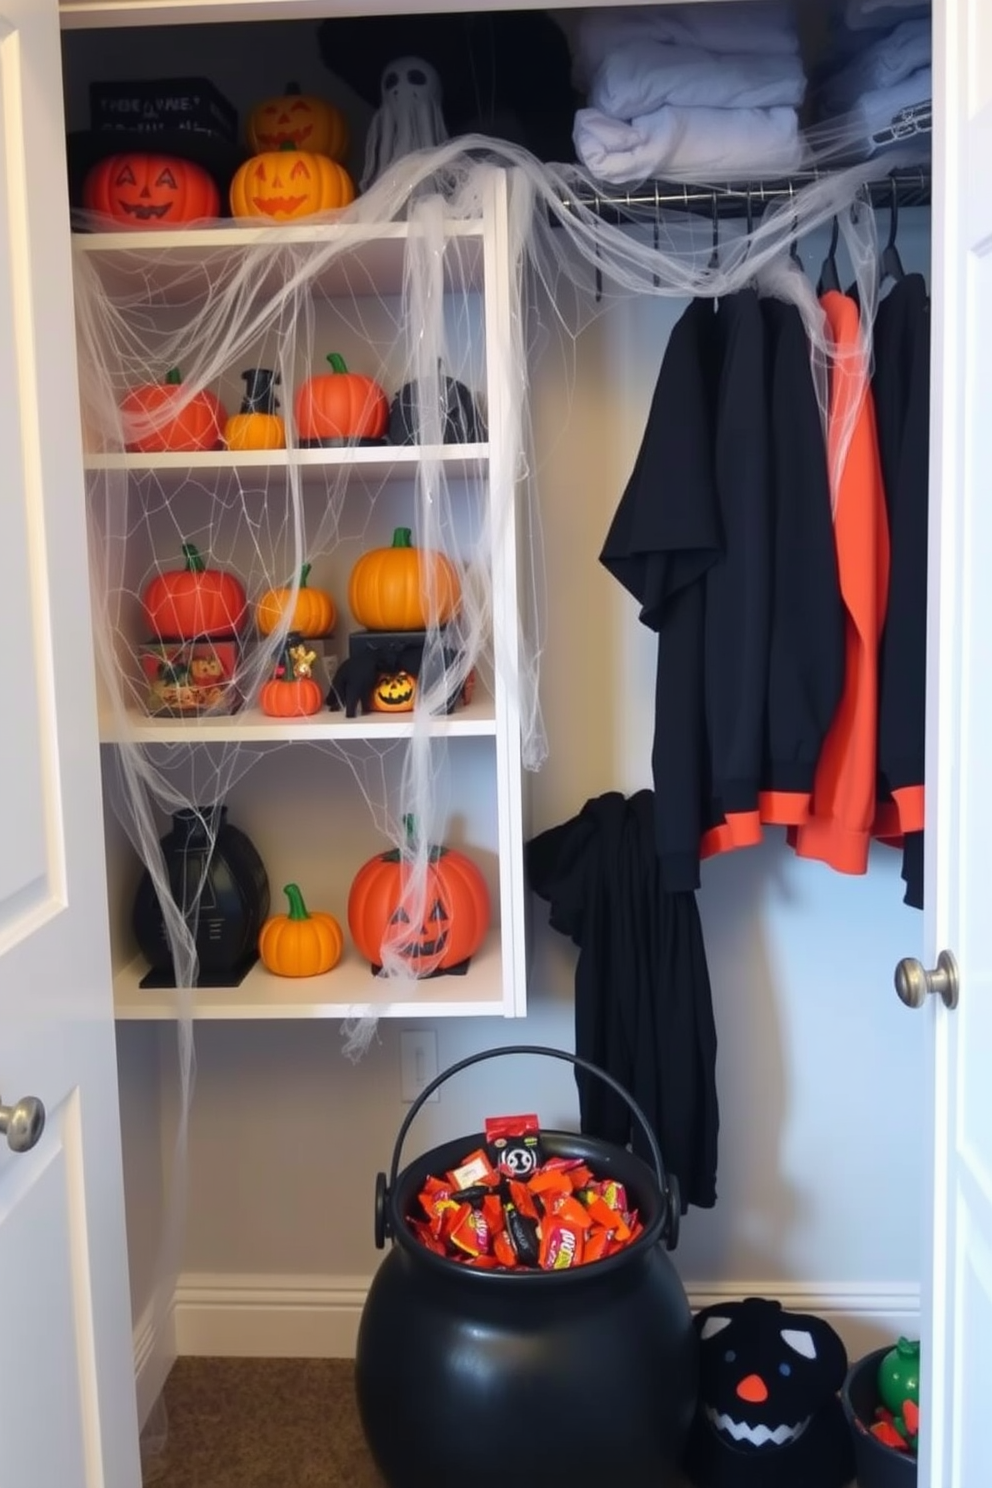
878,1466
160,105
570,1379
225,916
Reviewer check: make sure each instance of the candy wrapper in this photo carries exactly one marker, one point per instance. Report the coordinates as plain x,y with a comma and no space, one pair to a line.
505,1207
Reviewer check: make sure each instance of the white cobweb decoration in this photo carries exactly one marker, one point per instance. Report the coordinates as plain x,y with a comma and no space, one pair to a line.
255,307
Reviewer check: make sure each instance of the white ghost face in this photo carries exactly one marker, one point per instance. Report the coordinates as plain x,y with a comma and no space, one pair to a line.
410,81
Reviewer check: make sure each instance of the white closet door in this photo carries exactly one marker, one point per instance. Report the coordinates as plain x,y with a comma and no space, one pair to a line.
67,1406
956,1448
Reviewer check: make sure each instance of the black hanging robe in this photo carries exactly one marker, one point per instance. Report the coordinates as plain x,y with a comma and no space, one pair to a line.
643,1008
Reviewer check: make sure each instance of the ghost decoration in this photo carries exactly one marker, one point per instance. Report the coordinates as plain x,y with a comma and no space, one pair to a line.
409,117
768,1413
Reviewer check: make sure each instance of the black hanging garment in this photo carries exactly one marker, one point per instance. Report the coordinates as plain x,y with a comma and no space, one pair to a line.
901,389
806,660
643,1009
691,540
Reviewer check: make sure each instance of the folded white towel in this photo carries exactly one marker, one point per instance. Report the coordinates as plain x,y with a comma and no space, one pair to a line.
884,63
694,143
862,15
640,77
763,28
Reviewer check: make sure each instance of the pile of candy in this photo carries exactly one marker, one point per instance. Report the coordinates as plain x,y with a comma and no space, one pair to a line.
899,1431
506,1208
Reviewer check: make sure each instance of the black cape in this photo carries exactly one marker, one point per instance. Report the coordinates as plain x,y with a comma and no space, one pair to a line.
643,1009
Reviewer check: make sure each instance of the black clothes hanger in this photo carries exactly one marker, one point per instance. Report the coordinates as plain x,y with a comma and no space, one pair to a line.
794,240
890,264
829,275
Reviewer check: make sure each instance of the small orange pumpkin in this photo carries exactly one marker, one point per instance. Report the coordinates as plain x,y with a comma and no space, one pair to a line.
340,407
283,185
301,120
140,190
394,694
402,587
257,425
301,943
314,611
456,911
292,692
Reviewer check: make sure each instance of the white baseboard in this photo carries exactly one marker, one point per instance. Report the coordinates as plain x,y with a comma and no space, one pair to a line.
316,1317
154,1356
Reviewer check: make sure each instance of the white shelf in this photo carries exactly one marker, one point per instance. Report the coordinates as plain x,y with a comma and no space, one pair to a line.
476,720
359,462
349,991
180,267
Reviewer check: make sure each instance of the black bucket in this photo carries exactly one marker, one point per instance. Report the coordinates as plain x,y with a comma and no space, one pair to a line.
879,1465
582,1377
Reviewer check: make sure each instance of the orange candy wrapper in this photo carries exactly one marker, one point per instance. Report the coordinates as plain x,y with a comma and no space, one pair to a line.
486,1214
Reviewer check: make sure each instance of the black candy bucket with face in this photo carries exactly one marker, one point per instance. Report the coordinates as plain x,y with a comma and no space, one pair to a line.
585,1378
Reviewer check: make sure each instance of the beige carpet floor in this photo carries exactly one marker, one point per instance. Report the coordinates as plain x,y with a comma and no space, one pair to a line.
259,1423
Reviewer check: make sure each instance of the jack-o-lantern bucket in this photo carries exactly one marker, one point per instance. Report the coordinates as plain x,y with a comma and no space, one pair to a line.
585,1376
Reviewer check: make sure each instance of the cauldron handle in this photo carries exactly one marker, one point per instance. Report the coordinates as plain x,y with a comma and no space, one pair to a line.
668,1184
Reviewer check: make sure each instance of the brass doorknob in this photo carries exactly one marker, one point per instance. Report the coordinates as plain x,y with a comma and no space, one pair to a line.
915,984
22,1124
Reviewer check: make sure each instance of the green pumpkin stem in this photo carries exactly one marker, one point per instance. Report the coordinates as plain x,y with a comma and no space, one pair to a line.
174,377
288,145
337,361
409,848
402,538
304,575
297,908
194,559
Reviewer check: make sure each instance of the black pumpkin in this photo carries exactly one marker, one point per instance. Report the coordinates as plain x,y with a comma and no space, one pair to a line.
461,420
768,1415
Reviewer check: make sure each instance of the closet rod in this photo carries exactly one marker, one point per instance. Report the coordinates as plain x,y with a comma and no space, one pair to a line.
911,187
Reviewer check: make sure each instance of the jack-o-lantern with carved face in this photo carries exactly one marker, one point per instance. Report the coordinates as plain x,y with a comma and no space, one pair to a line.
768,1414
281,185
140,190
395,693
431,924
301,120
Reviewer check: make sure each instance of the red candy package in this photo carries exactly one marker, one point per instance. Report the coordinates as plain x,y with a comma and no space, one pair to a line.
505,1207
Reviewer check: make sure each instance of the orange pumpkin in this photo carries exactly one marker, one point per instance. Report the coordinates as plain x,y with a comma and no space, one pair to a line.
292,692
301,943
455,918
340,407
139,190
394,694
257,425
168,422
313,614
194,601
301,120
283,185
402,587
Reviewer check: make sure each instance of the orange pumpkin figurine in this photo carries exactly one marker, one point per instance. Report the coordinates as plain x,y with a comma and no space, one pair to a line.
292,692
161,417
455,917
286,184
138,190
402,587
301,943
340,407
194,601
301,120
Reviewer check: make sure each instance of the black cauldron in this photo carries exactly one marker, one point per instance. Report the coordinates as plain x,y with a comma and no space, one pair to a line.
582,1378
